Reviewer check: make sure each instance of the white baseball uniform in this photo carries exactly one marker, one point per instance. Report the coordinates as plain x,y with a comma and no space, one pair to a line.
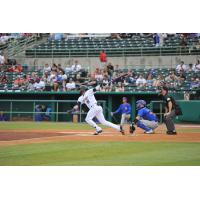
94,111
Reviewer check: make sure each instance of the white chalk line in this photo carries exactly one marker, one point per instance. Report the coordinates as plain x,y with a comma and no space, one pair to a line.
189,126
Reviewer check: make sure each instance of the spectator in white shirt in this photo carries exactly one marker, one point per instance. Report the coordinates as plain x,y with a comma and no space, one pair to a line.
47,68
76,67
162,37
196,67
71,85
39,85
2,59
181,67
190,68
141,81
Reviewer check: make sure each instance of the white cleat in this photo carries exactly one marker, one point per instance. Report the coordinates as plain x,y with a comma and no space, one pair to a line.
149,132
98,132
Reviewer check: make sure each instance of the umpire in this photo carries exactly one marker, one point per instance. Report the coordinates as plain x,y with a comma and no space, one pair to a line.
171,110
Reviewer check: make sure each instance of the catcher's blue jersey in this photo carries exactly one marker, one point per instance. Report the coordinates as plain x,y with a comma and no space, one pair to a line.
146,114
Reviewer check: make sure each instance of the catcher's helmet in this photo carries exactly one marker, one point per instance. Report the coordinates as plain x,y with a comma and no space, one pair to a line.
140,104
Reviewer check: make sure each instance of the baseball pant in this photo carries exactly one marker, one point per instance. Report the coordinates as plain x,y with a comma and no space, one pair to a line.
168,120
97,112
124,118
147,125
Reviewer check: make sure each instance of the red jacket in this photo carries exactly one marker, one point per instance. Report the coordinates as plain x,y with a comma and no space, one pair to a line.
103,57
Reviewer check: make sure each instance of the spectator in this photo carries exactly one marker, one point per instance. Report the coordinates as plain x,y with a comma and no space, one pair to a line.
103,59
60,68
98,75
183,41
116,35
53,80
18,69
2,58
141,81
186,96
196,67
34,76
110,70
171,77
3,79
63,78
30,86
197,44
39,85
71,85
162,37
190,68
106,87
181,78
79,79
76,67
17,83
156,39
24,82
158,81
149,81
47,68
54,67
58,36
181,67
119,87
194,83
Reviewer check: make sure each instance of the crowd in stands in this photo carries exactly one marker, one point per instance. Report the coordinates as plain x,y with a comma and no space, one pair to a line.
59,78
4,37
159,38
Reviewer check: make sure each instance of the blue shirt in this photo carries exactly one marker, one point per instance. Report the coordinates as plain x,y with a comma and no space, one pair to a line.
58,36
146,114
124,108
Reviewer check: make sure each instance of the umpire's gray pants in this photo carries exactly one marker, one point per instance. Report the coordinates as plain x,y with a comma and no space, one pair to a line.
125,118
168,120
151,124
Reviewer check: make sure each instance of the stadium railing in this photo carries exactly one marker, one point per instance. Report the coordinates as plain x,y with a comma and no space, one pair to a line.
112,52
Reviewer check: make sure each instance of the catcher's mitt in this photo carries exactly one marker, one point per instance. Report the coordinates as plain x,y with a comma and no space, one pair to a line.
132,128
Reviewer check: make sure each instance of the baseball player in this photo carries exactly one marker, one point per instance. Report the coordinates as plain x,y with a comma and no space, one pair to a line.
125,110
145,119
87,97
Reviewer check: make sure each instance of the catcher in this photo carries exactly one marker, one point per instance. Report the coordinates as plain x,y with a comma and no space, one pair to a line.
145,119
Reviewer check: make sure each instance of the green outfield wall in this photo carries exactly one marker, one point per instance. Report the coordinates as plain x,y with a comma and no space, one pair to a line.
21,105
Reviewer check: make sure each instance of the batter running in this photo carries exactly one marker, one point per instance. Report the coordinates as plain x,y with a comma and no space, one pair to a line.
87,97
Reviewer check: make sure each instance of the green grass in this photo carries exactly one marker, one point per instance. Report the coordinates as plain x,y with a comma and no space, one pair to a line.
95,153
102,153
43,126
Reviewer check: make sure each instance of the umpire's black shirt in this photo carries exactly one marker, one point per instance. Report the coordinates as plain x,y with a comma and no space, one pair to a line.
167,99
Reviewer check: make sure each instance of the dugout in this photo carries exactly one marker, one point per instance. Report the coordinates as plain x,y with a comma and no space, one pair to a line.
21,105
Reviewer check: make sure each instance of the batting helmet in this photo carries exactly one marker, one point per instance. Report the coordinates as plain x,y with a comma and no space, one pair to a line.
140,104
83,89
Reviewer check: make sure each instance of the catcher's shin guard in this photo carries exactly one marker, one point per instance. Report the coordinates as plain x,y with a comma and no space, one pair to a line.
132,128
